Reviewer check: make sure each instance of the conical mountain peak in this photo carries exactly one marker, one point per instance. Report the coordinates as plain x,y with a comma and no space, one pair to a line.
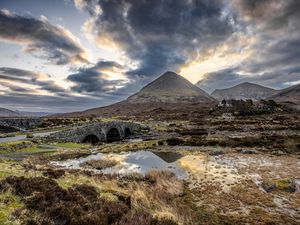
170,87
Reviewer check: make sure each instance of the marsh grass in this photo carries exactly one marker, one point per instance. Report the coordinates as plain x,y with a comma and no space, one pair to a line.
15,146
99,164
134,146
71,145
8,204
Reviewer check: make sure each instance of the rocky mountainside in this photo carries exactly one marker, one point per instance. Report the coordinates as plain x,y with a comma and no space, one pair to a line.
244,91
170,88
288,95
8,113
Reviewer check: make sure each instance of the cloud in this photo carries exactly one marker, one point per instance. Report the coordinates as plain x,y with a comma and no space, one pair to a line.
23,91
42,39
13,87
14,77
275,52
104,77
53,104
157,35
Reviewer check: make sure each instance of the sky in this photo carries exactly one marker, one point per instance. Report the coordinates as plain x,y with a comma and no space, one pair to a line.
71,55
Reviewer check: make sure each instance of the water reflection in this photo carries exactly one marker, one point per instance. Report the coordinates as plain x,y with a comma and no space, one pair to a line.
133,162
23,136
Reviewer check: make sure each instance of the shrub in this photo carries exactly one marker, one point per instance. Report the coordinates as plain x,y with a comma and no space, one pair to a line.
79,204
99,164
174,141
54,174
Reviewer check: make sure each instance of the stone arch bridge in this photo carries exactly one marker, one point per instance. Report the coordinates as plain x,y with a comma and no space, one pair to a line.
98,132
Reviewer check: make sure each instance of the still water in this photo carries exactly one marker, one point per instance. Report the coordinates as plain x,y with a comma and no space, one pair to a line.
132,162
23,136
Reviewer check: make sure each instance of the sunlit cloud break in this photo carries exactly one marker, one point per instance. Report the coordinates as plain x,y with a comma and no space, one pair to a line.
105,51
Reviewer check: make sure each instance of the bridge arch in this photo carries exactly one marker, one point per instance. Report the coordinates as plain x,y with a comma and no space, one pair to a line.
91,138
127,132
113,134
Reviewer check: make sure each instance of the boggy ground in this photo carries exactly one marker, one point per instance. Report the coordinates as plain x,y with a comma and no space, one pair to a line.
241,170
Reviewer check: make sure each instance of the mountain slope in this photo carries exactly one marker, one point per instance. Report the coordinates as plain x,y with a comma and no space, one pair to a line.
170,95
8,113
244,91
288,95
170,88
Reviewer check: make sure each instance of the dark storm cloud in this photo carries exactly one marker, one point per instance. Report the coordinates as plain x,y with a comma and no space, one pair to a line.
28,77
275,60
160,35
41,38
18,97
272,14
93,80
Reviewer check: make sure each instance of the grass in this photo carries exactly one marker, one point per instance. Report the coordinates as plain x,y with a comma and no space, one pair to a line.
21,147
70,145
99,164
7,147
12,168
134,146
8,204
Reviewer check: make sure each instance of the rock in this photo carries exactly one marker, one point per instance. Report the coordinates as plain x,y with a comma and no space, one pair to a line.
268,187
216,152
278,153
249,151
285,184
297,184
29,135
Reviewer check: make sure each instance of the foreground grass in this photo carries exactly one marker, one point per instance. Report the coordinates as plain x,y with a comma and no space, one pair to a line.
130,146
71,145
14,146
156,198
8,204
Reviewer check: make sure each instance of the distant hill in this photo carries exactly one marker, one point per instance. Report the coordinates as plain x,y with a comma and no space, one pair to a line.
244,91
33,114
8,113
170,88
288,95
168,94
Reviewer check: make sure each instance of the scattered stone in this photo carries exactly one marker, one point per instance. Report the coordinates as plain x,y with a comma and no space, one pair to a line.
285,184
29,135
216,153
278,153
249,151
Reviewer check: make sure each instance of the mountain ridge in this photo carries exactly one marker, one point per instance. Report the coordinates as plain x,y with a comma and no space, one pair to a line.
245,90
288,95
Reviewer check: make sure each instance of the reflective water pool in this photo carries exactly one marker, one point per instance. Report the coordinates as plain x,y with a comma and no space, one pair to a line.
132,162
23,136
